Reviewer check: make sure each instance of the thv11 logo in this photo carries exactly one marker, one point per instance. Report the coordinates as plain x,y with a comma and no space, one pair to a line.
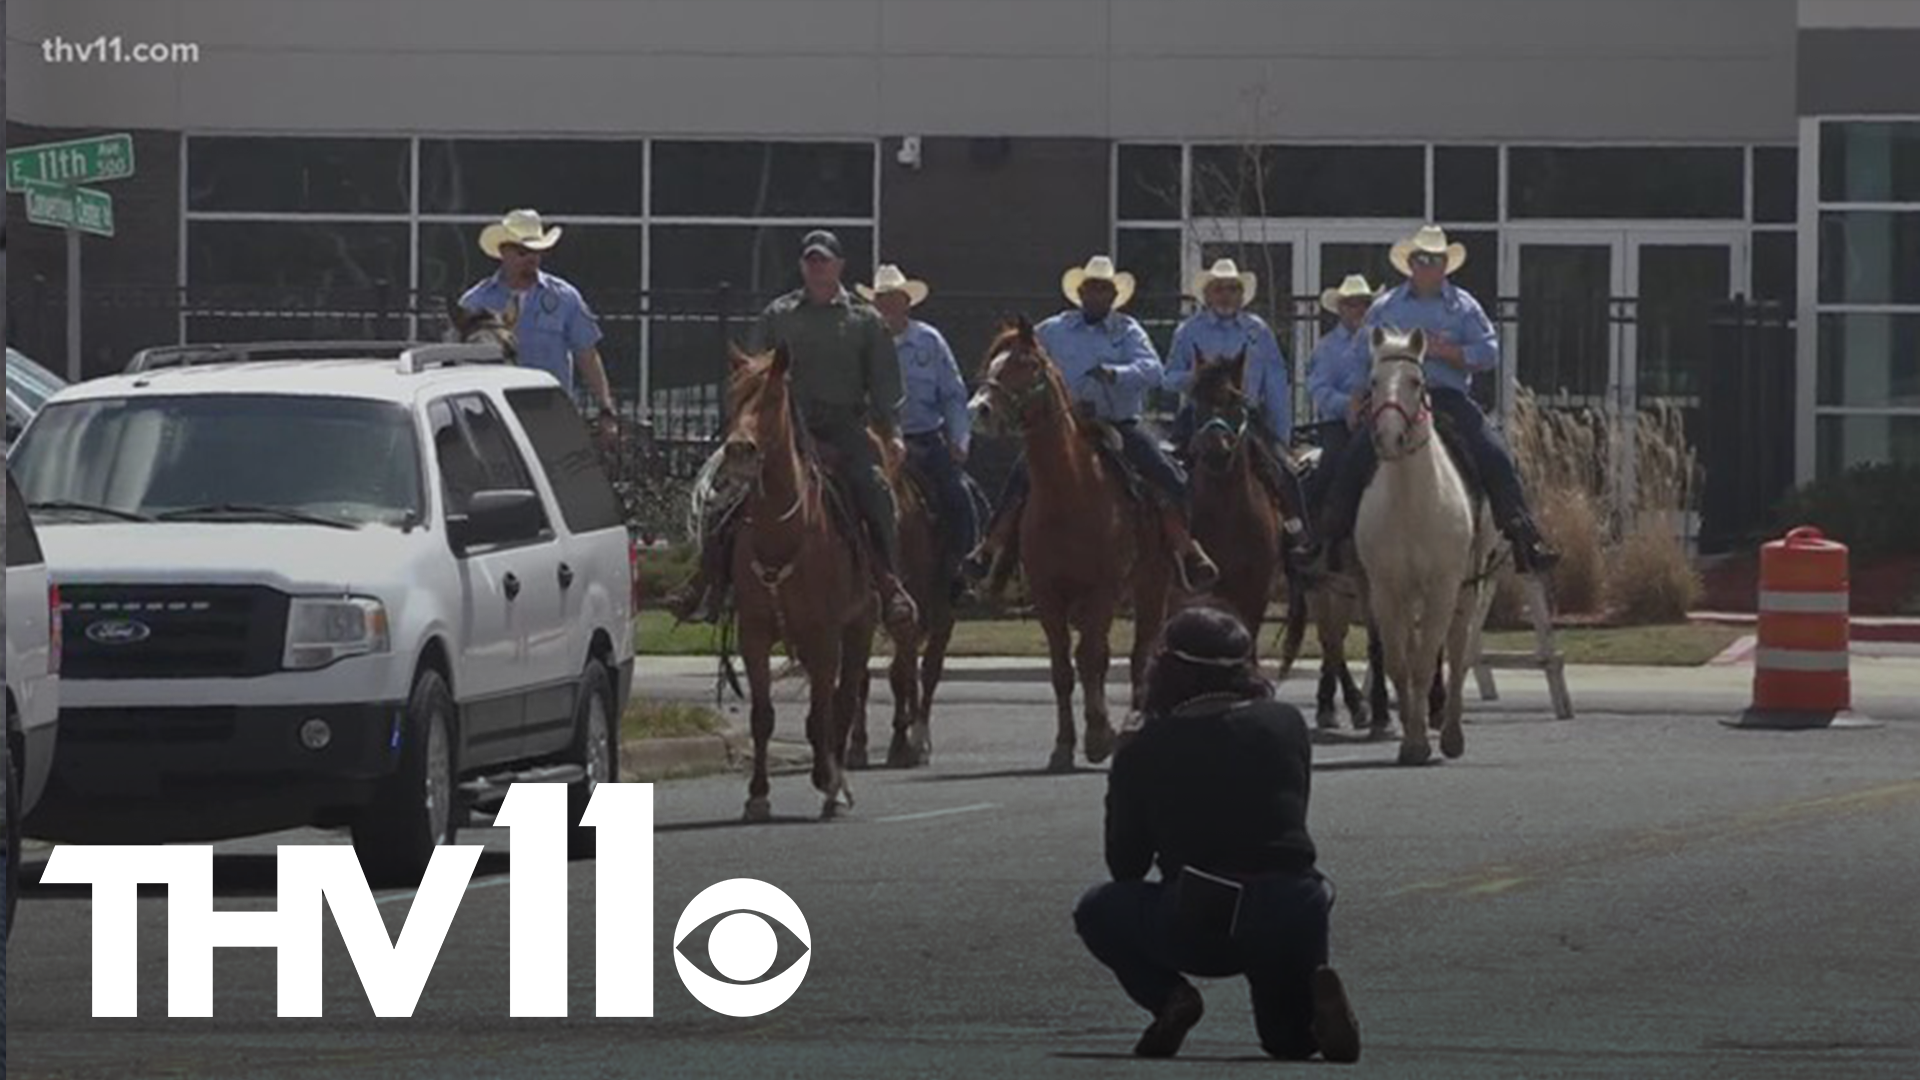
742,915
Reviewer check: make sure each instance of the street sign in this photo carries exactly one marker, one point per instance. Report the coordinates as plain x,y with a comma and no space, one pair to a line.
79,208
78,161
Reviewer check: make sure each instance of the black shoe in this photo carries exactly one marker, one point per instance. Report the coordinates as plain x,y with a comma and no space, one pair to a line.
1531,552
1335,1028
1169,1029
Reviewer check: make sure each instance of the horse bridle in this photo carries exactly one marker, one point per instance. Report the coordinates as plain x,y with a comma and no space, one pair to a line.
1021,400
1236,433
1421,419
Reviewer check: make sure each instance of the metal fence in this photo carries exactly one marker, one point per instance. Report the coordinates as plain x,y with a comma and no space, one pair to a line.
666,355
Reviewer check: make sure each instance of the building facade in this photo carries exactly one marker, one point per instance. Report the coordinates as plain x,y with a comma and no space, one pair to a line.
1620,170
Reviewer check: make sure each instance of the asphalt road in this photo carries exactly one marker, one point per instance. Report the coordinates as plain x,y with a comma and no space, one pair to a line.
1632,894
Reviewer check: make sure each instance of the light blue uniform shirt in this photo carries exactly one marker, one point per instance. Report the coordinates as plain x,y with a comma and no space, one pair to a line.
1221,339
1339,368
1453,316
936,396
555,322
1117,342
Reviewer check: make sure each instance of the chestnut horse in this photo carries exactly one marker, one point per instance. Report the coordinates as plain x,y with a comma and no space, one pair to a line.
917,667
1236,517
1083,539
799,578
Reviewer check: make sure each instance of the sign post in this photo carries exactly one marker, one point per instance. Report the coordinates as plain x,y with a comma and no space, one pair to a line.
48,177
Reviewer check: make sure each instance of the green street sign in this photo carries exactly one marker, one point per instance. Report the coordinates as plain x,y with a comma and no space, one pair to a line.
70,207
79,161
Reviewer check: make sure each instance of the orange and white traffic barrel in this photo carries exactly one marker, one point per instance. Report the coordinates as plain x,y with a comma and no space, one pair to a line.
1801,676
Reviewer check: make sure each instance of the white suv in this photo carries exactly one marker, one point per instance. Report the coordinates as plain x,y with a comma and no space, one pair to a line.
326,584
32,678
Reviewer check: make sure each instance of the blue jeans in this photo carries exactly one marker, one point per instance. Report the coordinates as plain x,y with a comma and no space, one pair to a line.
932,456
1282,937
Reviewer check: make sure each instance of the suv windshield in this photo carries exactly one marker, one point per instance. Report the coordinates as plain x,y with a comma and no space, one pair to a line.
225,457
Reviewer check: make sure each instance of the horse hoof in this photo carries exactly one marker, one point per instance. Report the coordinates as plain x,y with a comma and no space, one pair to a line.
1062,759
1099,742
1326,719
921,737
1453,742
1361,722
857,757
1415,753
830,810
759,811
899,752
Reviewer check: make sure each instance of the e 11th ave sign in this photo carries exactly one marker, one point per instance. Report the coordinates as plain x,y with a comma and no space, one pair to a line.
105,157
70,207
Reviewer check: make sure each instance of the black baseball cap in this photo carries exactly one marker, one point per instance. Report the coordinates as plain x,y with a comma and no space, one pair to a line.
821,241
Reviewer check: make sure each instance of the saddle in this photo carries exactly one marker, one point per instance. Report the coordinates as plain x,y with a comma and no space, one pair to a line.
1462,460
1106,441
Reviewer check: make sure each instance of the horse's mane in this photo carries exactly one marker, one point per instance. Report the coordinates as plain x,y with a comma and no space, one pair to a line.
746,385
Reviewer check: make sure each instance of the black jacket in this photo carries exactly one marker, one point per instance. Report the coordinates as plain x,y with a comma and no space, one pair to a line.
1224,788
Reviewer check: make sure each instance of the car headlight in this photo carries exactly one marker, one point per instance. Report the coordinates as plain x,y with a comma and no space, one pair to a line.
320,632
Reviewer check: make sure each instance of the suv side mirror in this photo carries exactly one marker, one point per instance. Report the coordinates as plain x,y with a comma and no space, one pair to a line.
496,517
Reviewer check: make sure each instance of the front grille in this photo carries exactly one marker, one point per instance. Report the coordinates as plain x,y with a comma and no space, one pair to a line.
172,631
151,727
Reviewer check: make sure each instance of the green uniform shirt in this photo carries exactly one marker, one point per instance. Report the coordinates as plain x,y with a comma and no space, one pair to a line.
844,367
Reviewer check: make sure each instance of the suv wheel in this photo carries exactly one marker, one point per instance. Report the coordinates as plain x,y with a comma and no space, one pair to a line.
413,810
596,747
15,779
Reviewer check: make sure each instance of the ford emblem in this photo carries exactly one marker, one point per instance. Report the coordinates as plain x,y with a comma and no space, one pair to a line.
118,632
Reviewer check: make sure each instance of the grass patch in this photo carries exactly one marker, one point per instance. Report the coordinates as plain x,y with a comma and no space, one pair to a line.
667,720
1683,645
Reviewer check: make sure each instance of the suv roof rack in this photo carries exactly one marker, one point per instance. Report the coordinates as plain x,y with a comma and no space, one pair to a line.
163,356
418,358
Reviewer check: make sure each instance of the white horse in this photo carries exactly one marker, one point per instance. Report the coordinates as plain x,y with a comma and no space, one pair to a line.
1423,546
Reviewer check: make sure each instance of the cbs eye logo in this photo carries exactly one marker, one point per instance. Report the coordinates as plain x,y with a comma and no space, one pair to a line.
756,945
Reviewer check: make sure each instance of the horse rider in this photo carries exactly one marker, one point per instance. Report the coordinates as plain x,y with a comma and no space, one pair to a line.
554,329
1338,372
1109,365
1222,328
934,419
845,377
1461,343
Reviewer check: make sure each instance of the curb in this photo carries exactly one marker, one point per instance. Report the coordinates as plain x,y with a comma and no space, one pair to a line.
1876,628
691,756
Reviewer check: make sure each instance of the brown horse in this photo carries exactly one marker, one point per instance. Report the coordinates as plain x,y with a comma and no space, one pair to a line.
800,578
1084,540
1236,517
917,666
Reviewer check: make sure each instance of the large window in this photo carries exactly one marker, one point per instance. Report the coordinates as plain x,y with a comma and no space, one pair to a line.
1866,337
353,238
1643,183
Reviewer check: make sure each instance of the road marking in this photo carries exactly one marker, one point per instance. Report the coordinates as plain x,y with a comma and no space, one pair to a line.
472,886
1498,878
925,814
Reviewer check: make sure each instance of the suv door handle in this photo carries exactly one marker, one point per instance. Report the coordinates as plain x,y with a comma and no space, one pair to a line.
566,576
512,583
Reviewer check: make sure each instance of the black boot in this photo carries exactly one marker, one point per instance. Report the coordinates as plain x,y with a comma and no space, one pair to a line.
1531,552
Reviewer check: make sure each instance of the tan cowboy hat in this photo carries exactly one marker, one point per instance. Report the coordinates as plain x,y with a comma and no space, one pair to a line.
1354,288
1098,268
1226,270
521,227
1432,240
889,278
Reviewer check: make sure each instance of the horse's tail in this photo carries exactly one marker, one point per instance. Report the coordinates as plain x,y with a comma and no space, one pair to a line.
1296,629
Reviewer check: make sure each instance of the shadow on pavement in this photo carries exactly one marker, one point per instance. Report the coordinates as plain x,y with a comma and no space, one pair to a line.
1013,774
738,823
1183,1059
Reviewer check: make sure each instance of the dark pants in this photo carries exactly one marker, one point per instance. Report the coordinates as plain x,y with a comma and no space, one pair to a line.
1488,450
860,467
1281,938
1139,444
932,456
1333,448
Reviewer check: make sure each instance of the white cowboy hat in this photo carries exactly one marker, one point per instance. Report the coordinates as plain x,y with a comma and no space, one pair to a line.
1098,268
1431,240
521,227
1354,288
1226,270
889,278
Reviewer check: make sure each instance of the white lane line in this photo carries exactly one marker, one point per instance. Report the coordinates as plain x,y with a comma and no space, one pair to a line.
923,815
485,883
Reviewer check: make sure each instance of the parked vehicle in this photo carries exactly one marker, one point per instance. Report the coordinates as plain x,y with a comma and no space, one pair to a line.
327,585
32,678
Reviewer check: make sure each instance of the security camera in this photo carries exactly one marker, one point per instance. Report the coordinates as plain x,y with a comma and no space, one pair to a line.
909,152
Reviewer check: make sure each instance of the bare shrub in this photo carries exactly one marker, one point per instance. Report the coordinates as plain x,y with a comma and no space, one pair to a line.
1650,579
